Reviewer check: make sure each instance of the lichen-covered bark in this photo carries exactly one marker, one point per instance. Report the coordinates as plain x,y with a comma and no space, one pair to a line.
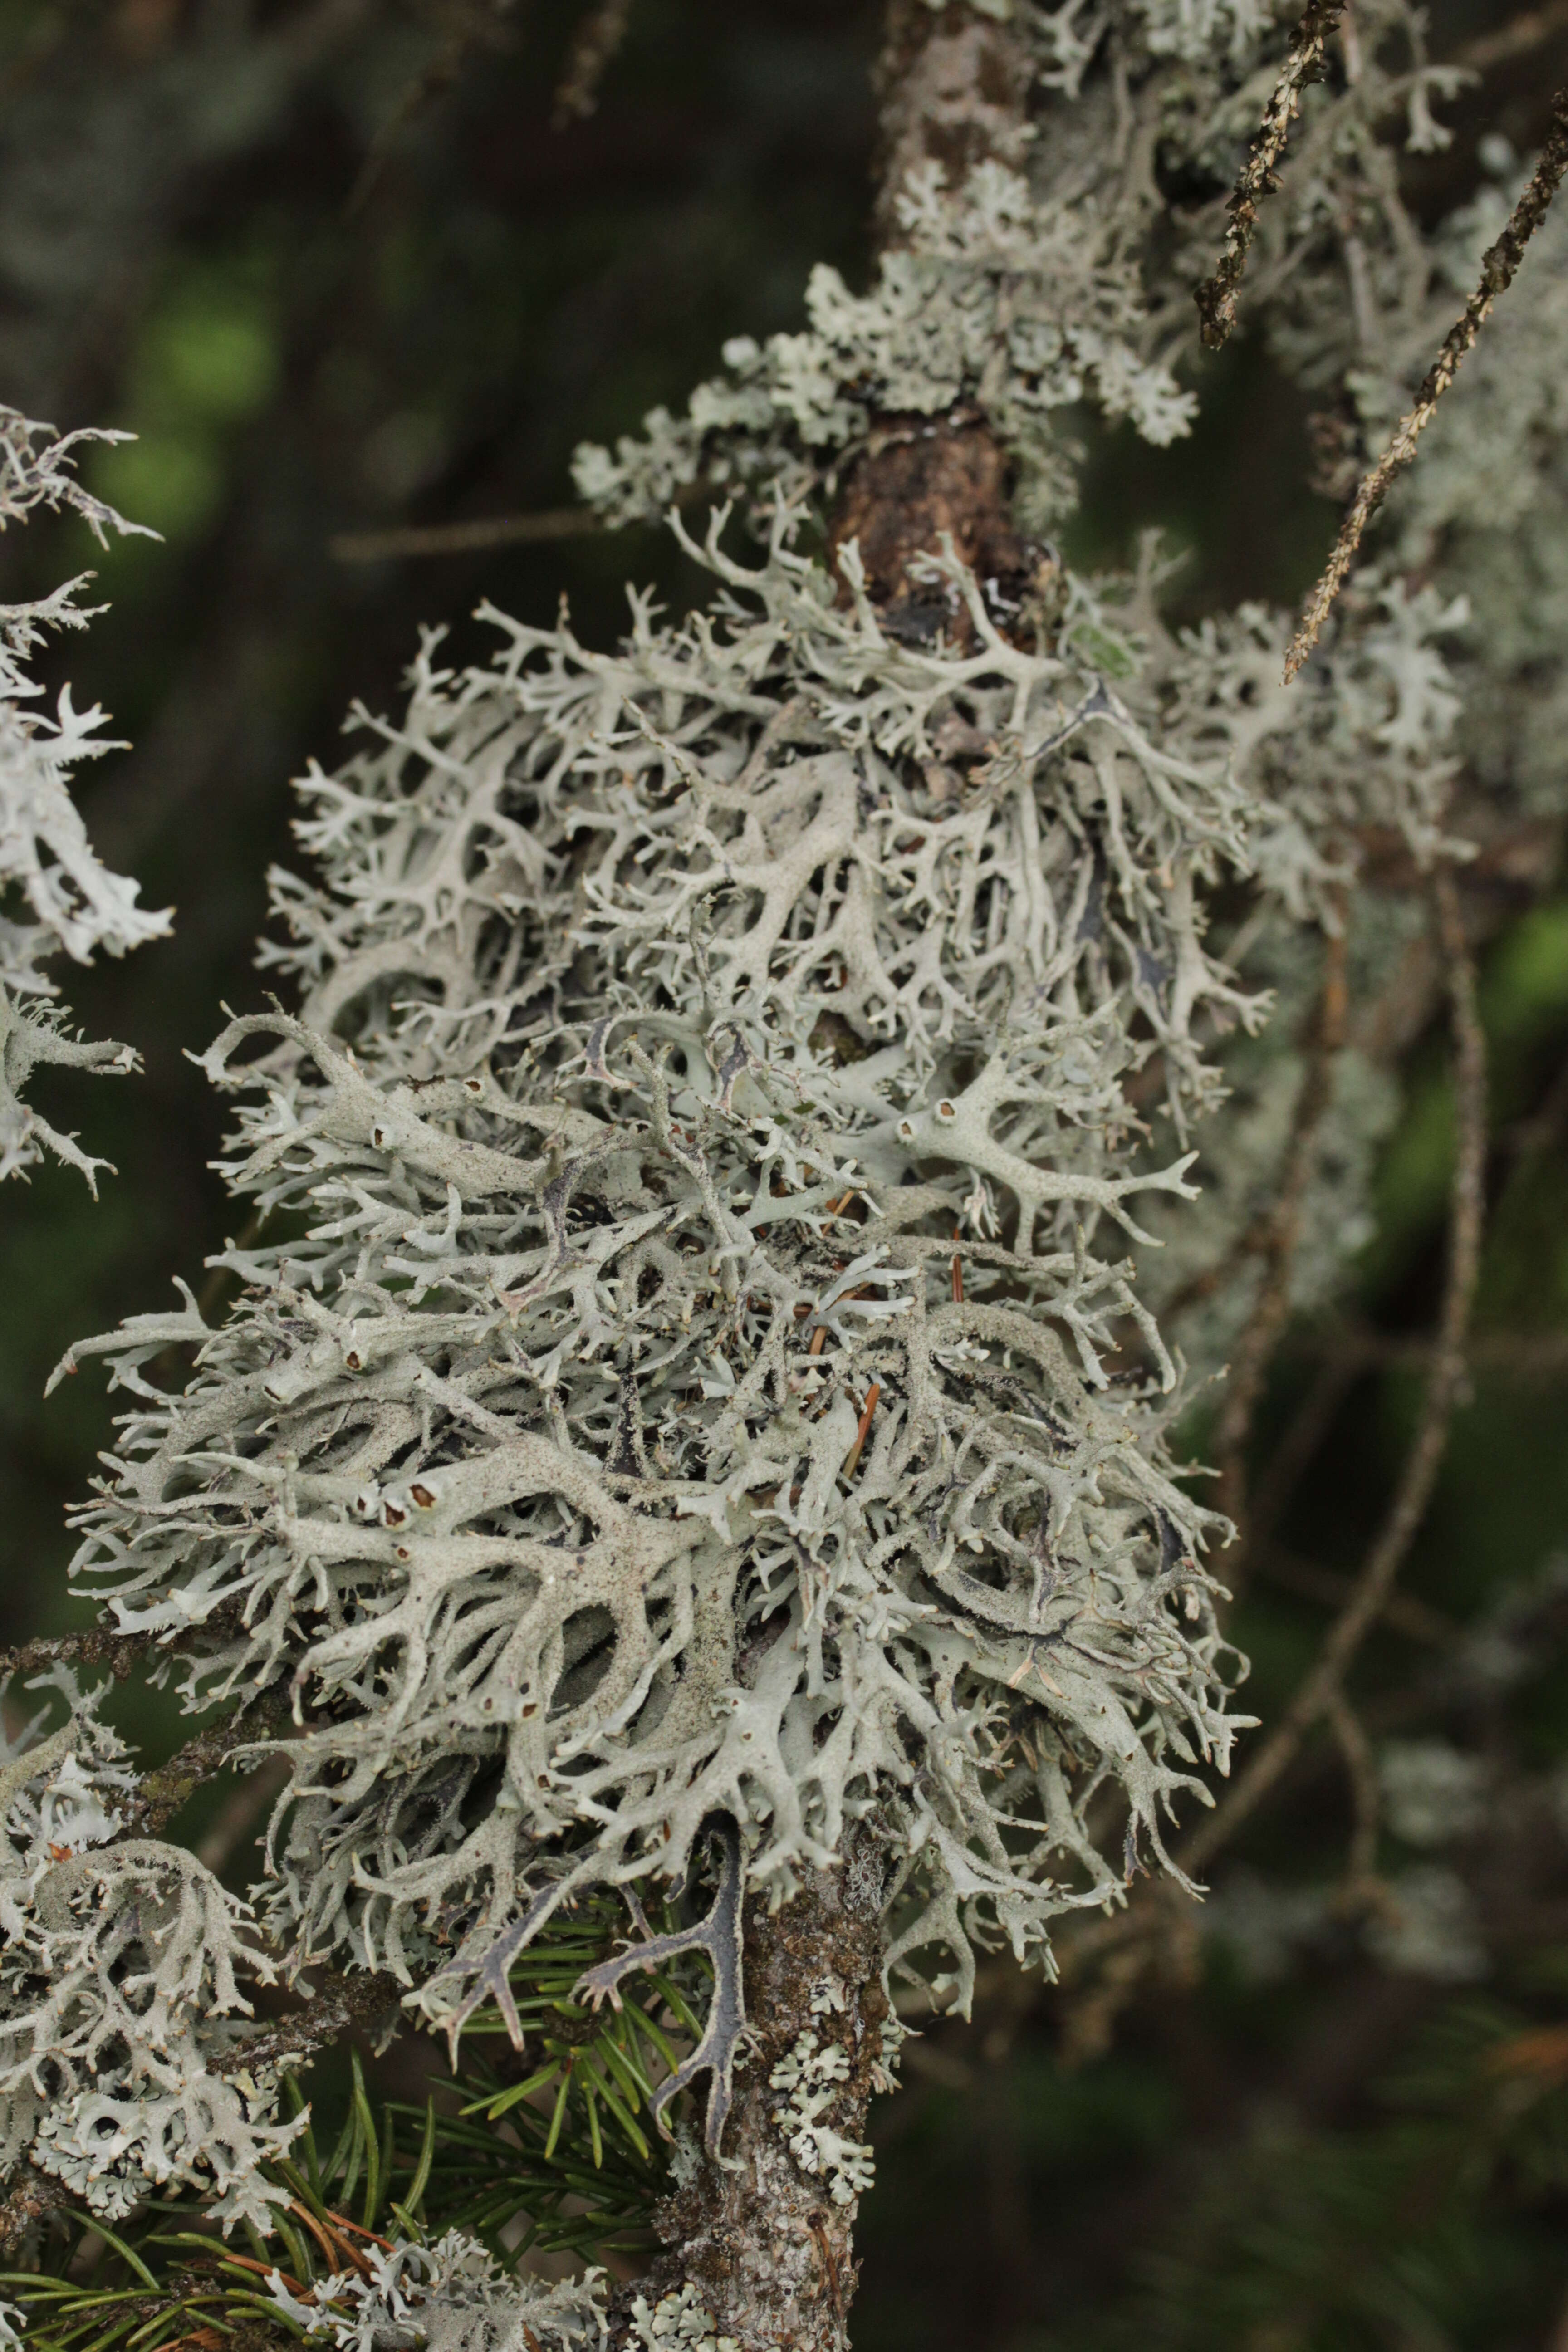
763,2245
952,87
764,2242
918,480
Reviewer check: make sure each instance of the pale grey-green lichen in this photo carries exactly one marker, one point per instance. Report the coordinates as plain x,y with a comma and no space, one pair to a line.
677,2322
672,1020
686,1388
450,2296
1026,307
810,2076
120,1965
56,899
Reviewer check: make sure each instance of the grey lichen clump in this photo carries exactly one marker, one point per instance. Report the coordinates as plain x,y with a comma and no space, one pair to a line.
704,1377
451,2295
121,1966
56,899
687,1393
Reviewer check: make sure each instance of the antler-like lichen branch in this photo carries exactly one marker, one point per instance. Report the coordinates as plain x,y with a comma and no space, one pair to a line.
717,1936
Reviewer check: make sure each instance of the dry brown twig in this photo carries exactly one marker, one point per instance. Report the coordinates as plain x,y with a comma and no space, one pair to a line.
1532,31
462,537
1323,1688
1215,298
1307,1430
97,1645
338,2004
1403,1613
486,531
1498,270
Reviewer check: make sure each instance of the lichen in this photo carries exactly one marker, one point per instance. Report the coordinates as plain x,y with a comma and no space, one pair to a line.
450,2295
678,2322
56,899
811,2074
990,295
120,1965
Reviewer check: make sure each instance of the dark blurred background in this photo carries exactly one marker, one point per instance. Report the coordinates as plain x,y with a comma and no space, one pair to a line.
333,264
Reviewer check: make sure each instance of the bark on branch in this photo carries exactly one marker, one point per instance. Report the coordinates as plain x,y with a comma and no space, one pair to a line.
952,86
762,2236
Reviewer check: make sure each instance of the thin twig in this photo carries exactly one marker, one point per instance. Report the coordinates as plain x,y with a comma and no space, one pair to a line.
340,2003
1362,1773
486,531
1515,40
461,538
1498,269
96,1646
1281,1235
472,21
1532,1355
1444,1386
852,1458
165,1792
594,47
1215,298
1402,1612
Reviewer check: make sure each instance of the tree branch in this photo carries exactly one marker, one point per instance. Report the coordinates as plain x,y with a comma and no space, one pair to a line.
1498,269
463,538
30,2197
96,1646
763,2234
953,89
1259,177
